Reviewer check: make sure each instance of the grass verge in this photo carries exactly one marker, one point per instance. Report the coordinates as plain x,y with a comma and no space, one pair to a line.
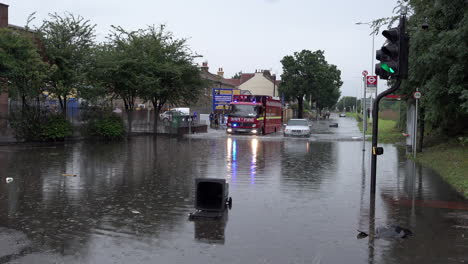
388,133
450,160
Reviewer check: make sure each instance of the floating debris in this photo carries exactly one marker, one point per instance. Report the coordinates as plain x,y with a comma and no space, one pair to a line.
135,212
388,232
69,175
9,180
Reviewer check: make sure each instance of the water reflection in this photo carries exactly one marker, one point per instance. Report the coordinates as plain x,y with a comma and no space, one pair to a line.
231,158
211,231
129,203
237,154
305,164
117,193
253,163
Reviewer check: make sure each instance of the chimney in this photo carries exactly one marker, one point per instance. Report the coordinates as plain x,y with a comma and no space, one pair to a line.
204,66
221,72
3,15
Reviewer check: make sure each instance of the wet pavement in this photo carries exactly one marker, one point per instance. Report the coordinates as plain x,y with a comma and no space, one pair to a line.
295,200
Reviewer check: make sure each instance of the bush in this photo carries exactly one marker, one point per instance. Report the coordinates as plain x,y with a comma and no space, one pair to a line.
108,126
56,128
38,125
27,124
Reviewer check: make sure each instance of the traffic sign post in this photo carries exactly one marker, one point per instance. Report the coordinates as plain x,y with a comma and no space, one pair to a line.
364,111
371,84
416,96
393,57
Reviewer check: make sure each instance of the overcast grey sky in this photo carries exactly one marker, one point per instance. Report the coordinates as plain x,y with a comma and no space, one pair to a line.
241,35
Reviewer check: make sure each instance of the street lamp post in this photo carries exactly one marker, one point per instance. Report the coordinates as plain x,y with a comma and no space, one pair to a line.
372,61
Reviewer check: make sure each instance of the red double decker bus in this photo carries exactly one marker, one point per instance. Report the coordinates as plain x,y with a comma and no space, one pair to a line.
254,114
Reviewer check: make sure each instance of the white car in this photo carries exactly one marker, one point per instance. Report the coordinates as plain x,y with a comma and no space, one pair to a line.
167,116
297,127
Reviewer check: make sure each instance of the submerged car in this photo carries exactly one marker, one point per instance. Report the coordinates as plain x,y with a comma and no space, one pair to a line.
297,127
343,115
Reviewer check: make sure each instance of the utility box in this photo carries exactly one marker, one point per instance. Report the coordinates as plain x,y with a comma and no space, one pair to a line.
211,195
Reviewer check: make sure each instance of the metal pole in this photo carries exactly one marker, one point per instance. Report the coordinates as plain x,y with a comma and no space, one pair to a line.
373,66
189,125
274,85
373,55
375,127
415,133
364,114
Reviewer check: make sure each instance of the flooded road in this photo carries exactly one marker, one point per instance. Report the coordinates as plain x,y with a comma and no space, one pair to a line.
294,201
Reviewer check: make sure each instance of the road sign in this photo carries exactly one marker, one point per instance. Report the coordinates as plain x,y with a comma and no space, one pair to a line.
417,95
371,81
393,96
371,84
368,102
222,97
364,73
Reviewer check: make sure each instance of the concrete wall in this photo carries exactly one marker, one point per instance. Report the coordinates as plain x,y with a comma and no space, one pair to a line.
259,85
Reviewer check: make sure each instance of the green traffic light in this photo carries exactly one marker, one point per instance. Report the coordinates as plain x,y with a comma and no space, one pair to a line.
387,68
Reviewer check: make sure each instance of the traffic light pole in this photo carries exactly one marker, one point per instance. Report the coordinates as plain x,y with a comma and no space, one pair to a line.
375,127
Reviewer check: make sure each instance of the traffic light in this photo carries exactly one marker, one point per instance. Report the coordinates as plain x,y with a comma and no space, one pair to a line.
393,55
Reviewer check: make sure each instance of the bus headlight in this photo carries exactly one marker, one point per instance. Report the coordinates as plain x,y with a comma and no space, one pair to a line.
229,130
254,131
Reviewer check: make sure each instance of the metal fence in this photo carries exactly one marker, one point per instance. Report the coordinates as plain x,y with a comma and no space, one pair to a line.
142,120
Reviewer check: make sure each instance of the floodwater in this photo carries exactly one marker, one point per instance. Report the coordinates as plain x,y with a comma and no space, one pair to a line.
294,201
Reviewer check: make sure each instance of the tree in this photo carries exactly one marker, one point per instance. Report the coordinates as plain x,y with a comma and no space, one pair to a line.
171,76
307,73
68,41
238,75
346,103
437,62
328,90
149,64
115,73
21,66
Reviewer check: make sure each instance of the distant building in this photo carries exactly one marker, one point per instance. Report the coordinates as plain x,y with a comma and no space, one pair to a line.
259,83
205,100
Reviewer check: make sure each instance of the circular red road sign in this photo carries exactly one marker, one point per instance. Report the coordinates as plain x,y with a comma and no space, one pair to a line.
417,95
364,73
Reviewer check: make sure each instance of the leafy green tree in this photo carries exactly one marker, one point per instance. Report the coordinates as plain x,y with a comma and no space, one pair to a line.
68,41
170,76
115,72
21,65
346,103
307,73
237,75
328,90
437,61
149,64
